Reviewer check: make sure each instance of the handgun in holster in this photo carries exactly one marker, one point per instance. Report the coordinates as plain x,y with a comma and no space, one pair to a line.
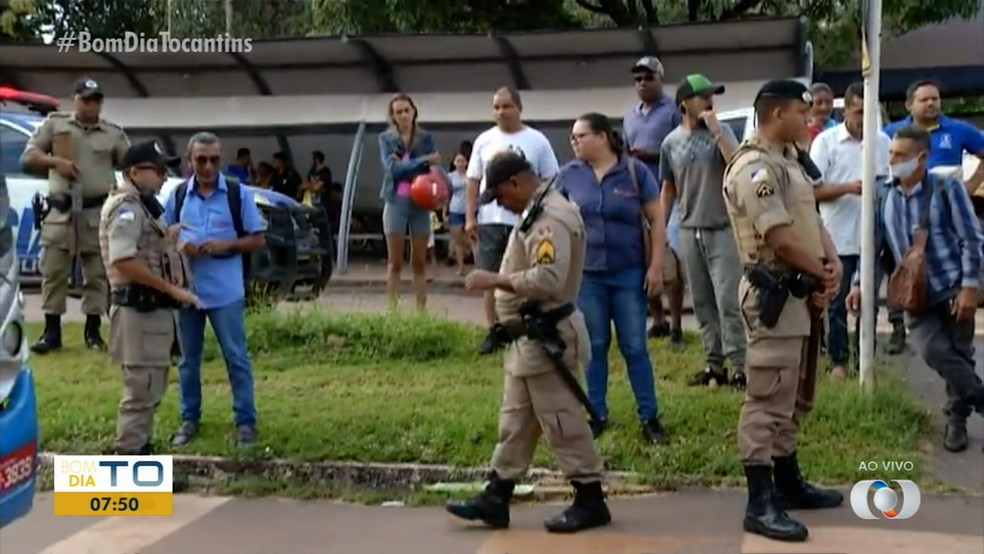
773,293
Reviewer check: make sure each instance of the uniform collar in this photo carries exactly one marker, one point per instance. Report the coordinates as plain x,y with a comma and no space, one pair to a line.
96,125
128,188
771,147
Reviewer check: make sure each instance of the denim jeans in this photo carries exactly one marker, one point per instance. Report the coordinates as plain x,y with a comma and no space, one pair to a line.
617,296
837,346
230,330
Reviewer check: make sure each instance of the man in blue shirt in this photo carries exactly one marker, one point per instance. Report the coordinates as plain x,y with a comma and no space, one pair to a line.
943,332
243,168
949,138
209,238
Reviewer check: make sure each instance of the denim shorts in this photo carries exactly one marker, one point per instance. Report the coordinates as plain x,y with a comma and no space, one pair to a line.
401,217
492,241
456,220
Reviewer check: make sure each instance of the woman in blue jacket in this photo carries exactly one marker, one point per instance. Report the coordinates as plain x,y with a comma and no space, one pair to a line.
405,151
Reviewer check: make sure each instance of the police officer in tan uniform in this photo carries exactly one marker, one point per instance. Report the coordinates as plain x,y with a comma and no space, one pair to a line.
77,149
791,273
148,277
543,263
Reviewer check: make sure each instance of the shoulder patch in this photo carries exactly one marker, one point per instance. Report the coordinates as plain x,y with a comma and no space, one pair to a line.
764,190
125,215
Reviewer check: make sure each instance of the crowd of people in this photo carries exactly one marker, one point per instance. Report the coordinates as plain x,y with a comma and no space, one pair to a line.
765,232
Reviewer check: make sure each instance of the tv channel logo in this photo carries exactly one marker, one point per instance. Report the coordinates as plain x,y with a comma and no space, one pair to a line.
885,499
114,485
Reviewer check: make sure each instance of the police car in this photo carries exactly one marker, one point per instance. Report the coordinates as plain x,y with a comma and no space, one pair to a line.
306,235
18,406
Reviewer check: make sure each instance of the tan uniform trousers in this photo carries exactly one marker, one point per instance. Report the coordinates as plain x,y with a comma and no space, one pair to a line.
537,404
782,376
141,344
56,266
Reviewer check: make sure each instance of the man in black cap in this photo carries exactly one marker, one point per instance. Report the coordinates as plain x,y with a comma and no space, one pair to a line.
148,279
79,150
792,272
543,263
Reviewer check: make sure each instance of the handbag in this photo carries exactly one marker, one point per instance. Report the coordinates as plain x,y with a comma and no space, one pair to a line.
907,286
669,261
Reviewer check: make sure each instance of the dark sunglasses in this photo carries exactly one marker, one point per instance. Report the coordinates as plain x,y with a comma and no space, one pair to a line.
204,160
644,78
147,167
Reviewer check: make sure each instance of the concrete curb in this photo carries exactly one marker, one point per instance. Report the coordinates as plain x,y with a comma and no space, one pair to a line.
210,470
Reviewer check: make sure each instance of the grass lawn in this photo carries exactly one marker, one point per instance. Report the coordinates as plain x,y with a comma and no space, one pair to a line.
409,388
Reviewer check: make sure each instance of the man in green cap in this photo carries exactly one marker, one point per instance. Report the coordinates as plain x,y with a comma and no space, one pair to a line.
692,161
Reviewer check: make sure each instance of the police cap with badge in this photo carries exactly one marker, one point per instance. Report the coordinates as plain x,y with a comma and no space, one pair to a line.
148,152
787,89
88,88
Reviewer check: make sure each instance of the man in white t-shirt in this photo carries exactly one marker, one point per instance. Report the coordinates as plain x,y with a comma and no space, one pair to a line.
836,152
492,224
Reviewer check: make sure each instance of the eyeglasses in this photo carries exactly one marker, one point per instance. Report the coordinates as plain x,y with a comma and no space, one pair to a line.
576,137
206,160
644,78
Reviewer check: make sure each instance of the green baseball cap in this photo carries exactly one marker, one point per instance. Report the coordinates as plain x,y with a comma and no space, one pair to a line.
697,85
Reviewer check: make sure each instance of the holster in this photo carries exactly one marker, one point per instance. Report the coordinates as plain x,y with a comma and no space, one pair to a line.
772,294
142,299
541,327
40,207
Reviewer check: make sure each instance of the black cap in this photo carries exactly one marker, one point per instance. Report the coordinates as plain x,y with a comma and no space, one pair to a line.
697,85
147,152
87,87
503,166
785,89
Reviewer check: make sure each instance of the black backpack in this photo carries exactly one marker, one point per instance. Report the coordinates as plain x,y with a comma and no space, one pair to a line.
235,209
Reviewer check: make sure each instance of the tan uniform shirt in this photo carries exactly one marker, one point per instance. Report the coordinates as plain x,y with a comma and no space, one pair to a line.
545,265
96,151
765,187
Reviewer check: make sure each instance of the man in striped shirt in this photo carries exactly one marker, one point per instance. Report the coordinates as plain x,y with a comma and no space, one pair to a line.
943,332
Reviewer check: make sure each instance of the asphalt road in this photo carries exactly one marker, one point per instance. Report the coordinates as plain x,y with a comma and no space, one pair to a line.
703,522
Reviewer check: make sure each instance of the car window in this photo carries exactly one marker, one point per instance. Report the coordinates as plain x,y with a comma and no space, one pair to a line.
12,144
737,125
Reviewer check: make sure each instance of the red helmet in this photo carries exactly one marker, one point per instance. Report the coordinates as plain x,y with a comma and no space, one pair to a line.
429,191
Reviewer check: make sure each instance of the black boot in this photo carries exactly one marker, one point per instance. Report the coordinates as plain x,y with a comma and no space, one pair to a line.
762,516
490,506
93,341
794,493
588,510
51,338
955,435
896,344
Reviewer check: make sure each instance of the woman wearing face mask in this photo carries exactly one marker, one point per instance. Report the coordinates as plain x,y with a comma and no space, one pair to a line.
614,199
405,151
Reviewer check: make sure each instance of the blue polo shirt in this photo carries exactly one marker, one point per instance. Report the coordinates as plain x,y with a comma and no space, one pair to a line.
646,130
612,212
218,281
948,140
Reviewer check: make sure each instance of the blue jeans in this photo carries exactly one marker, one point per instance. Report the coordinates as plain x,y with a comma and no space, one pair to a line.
837,347
230,330
618,296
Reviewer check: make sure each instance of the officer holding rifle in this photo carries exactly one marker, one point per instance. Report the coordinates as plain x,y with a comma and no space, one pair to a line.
79,150
535,291
149,279
791,273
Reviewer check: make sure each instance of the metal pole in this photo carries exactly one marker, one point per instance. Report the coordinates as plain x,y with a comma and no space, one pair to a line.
228,16
871,62
169,16
348,198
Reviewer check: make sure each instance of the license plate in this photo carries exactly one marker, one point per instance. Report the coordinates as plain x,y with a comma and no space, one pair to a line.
17,467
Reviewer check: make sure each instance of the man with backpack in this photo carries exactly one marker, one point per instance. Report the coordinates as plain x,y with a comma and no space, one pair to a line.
220,224
935,239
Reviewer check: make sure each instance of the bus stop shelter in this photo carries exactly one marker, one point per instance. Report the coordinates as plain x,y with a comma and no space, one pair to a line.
340,85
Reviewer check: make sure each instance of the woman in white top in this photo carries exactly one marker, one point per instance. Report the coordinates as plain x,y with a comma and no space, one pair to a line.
456,211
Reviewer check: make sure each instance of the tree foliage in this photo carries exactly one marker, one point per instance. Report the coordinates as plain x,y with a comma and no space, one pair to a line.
833,24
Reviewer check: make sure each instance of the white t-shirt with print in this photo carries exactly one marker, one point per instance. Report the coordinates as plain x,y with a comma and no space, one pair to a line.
531,143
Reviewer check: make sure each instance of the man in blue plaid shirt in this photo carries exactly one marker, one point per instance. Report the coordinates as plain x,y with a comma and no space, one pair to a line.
943,333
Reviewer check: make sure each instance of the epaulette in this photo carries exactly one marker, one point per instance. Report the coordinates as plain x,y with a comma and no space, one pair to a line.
110,124
61,114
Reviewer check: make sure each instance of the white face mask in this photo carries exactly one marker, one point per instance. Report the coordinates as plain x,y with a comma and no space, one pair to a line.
903,170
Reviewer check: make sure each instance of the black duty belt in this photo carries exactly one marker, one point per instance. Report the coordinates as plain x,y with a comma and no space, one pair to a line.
63,202
141,298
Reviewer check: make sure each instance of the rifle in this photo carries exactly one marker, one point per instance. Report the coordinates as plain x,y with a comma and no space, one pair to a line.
62,147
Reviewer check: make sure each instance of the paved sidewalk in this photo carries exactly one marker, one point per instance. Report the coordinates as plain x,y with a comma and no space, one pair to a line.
702,522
